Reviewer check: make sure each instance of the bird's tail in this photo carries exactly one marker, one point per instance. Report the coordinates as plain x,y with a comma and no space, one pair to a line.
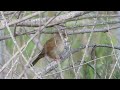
38,58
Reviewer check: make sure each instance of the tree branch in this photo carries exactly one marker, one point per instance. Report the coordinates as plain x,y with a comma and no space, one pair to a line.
65,55
21,20
69,32
40,22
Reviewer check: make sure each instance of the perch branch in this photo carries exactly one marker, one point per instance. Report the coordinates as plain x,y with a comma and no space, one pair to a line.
54,65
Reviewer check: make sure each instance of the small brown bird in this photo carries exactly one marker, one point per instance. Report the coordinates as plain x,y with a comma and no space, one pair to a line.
53,47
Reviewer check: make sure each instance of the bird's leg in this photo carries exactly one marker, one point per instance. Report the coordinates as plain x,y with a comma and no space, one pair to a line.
57,58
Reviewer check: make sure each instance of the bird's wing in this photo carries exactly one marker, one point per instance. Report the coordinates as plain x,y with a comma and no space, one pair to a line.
49,45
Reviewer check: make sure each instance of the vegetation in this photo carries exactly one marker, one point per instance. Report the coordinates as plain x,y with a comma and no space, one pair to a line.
92,50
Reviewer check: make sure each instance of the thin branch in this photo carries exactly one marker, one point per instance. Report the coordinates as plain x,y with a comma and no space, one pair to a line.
7,26
35,22
100,16
69,32
65,55
57,20
27,65
9,12
15,25
53,65
86,48
21,20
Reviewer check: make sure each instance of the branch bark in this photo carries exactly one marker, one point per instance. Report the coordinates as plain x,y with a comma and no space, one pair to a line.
65,55
40,22
69,32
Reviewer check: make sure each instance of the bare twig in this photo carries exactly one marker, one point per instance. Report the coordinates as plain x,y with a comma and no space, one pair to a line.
15,26
58,20
82,61
69,32
21,20
6,25
53,65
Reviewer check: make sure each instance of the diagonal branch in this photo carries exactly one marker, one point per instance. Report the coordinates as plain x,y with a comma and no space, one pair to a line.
40,22
21,20
65,55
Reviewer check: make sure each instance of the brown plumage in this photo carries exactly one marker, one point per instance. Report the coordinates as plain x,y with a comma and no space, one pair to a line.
52,48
